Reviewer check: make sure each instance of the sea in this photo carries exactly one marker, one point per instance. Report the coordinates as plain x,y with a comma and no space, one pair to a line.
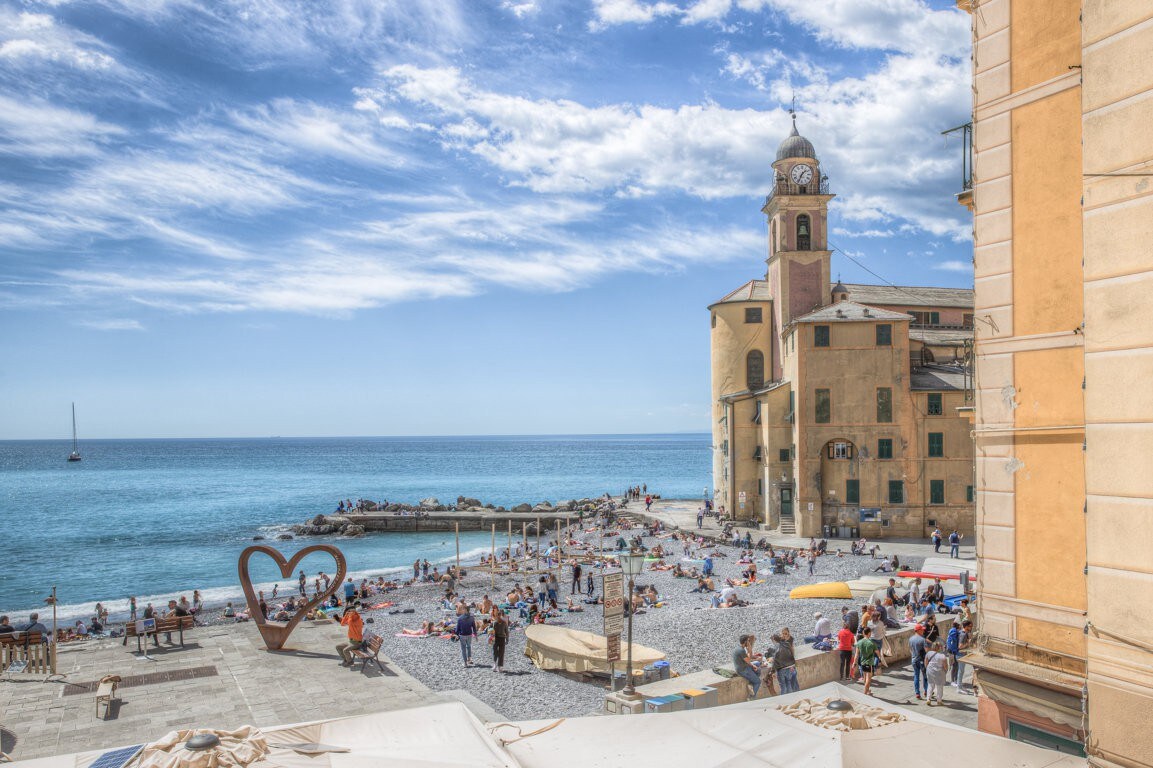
158,518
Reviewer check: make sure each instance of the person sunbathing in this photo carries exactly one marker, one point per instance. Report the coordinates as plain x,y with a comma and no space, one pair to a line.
424,631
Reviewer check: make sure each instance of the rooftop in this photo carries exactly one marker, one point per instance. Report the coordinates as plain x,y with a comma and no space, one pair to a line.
937,377
850,312
910,295
754,290
941,337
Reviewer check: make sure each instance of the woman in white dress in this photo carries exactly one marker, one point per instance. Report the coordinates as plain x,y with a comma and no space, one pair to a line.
936,666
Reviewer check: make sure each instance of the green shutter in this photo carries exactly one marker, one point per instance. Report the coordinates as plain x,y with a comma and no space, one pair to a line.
896,491
885,448
884,335
852,491
936,444
935,406
820,335
884,405
824,407
969,493
936,491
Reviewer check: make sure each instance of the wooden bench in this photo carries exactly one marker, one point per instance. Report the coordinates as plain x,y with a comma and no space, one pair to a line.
106,692
371,652
166,625
25,653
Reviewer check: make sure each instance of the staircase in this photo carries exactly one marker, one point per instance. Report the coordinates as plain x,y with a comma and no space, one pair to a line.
788,525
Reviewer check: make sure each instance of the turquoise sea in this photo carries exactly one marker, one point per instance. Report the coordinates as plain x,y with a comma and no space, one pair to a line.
156,518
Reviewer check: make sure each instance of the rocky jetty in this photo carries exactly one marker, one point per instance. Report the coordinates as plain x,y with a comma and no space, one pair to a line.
343,523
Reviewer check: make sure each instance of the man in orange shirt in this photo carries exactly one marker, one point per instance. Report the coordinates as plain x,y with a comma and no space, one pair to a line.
355,624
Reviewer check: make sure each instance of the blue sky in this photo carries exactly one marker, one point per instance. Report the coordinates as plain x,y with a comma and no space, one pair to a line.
364,217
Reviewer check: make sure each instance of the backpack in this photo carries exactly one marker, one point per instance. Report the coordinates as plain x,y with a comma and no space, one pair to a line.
953,641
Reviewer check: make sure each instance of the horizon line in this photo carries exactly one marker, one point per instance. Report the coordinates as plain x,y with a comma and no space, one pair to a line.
357,437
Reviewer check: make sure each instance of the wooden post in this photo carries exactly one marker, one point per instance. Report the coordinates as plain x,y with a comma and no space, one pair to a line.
524,540
559,550
537,544
52,645
457,550
492,560
510,544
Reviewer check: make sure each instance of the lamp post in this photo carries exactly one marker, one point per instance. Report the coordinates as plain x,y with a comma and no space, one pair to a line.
631,564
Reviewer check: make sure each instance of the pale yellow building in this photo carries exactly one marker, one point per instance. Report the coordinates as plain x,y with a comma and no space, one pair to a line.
838,406
1063,220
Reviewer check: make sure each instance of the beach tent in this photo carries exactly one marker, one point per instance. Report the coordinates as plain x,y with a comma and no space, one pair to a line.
758,734
571,650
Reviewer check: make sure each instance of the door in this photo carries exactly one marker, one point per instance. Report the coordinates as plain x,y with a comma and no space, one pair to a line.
786,502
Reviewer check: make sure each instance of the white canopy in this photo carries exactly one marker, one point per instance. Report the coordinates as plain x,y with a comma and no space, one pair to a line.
754,734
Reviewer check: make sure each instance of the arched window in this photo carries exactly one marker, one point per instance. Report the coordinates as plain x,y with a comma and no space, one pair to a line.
804,233
773,237
755,369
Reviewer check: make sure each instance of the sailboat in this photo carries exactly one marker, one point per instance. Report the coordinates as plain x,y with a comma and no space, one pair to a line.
75,455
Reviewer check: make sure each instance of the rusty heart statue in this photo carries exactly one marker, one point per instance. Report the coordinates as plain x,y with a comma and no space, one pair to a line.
275,633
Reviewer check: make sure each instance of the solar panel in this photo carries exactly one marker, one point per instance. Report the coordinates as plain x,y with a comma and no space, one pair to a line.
117,758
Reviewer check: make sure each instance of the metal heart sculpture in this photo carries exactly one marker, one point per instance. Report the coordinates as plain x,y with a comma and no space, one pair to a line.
275,633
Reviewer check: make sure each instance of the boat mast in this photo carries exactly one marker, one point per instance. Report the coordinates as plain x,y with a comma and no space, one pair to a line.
75,447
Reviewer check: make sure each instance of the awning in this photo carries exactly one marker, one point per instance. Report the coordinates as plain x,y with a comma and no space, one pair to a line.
1059,707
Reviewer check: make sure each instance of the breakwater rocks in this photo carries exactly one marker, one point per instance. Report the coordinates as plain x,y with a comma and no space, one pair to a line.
431,515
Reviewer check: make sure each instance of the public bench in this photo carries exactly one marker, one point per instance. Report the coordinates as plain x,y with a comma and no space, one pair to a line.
371,652
154,627
26,653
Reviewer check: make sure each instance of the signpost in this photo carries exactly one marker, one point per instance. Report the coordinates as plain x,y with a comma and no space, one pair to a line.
613,590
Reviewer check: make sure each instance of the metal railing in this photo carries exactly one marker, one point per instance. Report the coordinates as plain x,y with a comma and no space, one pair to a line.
966,132
785,186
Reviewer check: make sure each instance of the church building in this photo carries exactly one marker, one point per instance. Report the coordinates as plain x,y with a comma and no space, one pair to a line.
840,409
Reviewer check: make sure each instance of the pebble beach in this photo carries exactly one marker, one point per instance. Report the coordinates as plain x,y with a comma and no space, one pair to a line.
691,634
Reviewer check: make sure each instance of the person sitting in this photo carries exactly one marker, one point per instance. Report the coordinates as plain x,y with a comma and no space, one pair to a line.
229,611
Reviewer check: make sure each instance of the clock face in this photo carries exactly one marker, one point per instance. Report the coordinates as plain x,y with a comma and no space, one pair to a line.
801,174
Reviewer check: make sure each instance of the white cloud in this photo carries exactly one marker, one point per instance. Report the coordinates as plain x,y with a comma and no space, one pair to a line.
954,266
38,129
113,325
36,38
521,9
611,12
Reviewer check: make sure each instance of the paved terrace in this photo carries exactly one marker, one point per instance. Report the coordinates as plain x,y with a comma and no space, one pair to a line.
221,678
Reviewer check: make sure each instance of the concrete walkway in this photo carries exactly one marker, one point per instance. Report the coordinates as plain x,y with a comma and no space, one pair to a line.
222,677
682,513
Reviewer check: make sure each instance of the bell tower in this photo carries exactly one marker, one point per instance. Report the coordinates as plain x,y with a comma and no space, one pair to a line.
797,209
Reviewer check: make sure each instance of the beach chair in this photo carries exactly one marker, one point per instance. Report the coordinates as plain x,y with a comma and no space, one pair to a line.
106,692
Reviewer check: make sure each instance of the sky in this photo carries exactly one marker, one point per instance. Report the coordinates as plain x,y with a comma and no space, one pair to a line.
430,217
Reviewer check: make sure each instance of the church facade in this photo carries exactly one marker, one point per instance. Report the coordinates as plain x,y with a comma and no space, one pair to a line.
838,408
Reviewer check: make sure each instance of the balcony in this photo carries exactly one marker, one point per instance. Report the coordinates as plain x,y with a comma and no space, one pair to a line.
965,133
786,187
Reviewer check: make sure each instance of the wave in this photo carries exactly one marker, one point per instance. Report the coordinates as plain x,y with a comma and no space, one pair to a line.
217,597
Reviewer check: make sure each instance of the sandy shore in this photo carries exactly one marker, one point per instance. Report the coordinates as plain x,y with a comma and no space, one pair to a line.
693,635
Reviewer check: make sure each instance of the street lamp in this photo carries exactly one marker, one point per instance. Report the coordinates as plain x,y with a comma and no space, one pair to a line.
631,565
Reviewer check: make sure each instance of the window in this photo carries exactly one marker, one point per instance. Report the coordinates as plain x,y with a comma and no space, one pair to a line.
896,491
926,318
725,448
791,415
936,445
852,491
823,413
884,335
884,405
969,493
783,455
714,320
885,448
936,408
820,335
1038,738
756,411
792,452
936,491
755,369
804,233
967,321
773,238
752,314
757,453
840,451
760,486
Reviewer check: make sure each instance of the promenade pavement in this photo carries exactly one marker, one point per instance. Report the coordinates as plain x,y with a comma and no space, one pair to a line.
221,678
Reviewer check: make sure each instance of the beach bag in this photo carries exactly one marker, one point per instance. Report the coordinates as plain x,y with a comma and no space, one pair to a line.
854,670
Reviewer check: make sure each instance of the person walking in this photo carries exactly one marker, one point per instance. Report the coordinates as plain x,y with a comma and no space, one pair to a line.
465,632
845,639
964,641
576,578
935,665
953,646
784,661
355,624
499,638
867,657
917,651
955,544
936,537
700,518
590,583
302,584
745,662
